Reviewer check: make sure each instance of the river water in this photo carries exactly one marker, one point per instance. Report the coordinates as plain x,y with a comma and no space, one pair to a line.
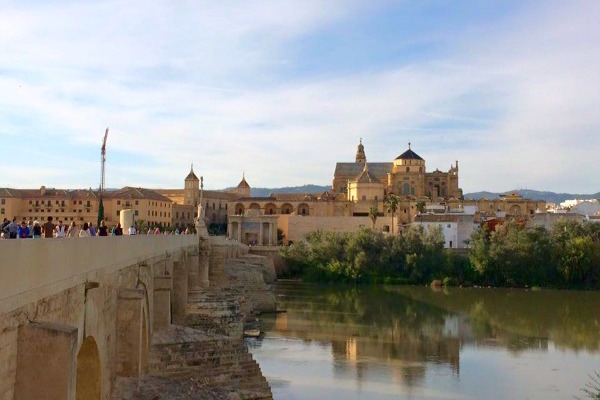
400,342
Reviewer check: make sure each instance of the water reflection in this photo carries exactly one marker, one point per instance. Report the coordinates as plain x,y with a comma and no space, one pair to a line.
412,338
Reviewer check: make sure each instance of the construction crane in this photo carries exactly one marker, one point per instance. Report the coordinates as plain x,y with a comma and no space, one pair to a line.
103,157
101,190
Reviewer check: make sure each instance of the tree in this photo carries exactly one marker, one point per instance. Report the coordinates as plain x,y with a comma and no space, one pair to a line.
391,201
421,206
141,225
373,214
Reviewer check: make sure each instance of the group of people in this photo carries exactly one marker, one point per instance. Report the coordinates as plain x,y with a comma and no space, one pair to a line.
33,230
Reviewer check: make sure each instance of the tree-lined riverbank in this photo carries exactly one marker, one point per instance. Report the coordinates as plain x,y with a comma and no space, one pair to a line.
569,256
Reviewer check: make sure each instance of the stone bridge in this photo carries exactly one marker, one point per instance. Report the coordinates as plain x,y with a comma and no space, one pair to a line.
103,318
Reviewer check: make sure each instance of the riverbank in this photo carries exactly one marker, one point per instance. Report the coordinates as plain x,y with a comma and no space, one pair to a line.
510,256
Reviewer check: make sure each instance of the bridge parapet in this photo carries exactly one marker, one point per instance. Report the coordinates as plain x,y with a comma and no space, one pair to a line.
34,269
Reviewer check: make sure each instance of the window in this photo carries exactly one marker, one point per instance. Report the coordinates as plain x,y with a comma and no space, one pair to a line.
364,198
87,204
137,203
80,202
118,202
407,169
136,212
118,212
2,211
127,203
406,189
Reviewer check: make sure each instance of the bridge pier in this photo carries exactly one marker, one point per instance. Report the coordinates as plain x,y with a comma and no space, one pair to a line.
46,366
162,302
132,349
180,291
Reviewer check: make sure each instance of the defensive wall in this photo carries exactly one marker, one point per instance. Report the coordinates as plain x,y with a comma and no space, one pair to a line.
296,227
78,315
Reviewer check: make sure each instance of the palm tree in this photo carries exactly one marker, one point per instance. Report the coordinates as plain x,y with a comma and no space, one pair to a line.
373,214
142,224
392,202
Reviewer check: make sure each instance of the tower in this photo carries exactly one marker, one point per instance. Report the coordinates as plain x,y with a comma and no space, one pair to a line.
361,158
192,188
243,189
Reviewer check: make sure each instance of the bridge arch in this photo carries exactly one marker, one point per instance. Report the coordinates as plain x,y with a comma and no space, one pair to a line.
89,372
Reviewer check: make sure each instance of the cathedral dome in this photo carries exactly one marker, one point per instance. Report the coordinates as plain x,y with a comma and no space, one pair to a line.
409,155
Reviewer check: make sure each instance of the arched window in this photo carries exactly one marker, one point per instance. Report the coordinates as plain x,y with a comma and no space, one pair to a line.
406,189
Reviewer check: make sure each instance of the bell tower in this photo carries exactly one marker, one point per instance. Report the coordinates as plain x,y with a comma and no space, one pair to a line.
361,158
192,188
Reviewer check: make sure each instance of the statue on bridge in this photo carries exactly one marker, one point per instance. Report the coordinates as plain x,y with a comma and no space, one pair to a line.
199,222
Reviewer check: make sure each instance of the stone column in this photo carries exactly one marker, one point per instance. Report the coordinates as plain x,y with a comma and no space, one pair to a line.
192,266
129,332
180,292
270,234
46,361
260,233
229,230
203,267
239,232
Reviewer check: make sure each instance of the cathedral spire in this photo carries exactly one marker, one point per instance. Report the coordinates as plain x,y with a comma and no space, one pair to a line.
360,153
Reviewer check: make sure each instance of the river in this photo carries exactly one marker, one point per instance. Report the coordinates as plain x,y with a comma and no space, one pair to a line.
401,342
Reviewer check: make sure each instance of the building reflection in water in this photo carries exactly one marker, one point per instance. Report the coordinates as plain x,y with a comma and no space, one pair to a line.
402,332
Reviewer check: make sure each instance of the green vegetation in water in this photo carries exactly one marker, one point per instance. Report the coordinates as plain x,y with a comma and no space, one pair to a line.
513,256
592,388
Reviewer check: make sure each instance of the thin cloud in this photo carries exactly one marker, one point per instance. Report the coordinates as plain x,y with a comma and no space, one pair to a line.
513,99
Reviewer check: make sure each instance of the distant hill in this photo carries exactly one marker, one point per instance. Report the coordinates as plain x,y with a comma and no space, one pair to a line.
263,192
550,197
535,195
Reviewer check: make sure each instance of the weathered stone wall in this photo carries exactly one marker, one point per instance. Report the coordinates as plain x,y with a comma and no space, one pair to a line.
42,284
75,314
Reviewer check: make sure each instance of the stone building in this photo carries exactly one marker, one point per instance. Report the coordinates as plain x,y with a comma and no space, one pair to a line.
253,228
514,205
81,205
405,176
215,203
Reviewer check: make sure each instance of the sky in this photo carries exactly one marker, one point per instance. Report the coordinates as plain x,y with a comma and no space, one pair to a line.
282,90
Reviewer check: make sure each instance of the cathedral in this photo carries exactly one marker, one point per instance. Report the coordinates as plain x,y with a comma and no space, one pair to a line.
406,176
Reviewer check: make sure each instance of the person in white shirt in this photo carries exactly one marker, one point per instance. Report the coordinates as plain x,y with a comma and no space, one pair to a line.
61,230
131,230
84,232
